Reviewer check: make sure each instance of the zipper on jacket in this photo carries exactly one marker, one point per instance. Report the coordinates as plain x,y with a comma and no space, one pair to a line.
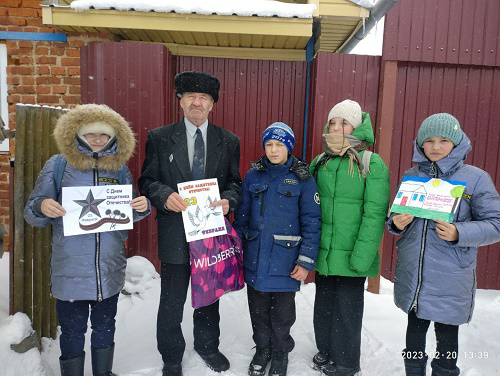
414,304
97,248
420,267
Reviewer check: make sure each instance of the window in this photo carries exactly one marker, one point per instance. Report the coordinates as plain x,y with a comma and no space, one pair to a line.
415,196
399,194
422,197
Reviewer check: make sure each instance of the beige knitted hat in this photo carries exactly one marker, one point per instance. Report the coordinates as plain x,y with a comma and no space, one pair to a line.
348,110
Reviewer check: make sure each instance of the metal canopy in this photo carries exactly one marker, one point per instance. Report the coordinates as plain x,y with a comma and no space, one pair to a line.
266,38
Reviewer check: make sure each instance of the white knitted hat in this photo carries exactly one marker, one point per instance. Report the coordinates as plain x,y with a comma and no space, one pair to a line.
97,127
348,110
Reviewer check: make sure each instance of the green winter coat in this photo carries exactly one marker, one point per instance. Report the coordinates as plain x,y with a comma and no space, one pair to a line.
353,212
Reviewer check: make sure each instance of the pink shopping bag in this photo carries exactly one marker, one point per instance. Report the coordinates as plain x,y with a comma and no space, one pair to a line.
216,267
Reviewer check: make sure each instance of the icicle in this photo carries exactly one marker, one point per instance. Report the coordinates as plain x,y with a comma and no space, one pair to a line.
363,23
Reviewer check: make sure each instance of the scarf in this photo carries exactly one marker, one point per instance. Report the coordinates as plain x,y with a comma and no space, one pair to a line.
336,144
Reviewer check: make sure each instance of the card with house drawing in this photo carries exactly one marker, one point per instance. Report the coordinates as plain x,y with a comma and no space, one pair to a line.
200,219
428,197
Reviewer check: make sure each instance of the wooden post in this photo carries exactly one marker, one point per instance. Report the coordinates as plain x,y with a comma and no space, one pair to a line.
383,133
52,148
18,249
28,230
38,232
44,248
11,237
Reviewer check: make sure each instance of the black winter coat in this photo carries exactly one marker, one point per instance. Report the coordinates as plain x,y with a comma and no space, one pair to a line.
166,164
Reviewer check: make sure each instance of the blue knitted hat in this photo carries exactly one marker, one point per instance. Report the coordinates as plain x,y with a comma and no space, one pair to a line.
280,132
441,125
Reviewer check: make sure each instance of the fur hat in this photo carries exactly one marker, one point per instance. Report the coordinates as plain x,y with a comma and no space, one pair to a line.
94,116
197,82
280,132
441,125
348,110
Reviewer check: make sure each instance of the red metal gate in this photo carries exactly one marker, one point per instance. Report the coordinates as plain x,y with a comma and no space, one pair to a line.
136,80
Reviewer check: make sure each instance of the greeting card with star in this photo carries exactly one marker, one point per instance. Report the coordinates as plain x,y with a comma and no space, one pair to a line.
97,209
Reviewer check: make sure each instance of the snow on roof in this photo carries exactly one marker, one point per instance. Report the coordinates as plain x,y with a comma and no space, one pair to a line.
261,8
364,3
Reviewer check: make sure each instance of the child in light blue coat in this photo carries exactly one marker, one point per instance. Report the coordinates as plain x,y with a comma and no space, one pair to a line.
435,276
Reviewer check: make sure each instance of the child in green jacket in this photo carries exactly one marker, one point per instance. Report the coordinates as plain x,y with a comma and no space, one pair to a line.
353,185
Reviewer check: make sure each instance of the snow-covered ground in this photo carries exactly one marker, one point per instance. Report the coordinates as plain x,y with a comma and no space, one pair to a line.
136,355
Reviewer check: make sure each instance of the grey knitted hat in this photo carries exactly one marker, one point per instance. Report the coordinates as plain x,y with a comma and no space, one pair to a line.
441,125
348,110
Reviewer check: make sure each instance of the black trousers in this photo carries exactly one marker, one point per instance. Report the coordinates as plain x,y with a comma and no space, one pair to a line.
206,332
272,315
73,318
338,315
446,337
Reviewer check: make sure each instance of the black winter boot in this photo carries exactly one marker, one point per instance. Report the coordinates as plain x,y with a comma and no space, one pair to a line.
102,361
72,367
437,370
332,369
279,364
217,362
319,361
259,361
415,367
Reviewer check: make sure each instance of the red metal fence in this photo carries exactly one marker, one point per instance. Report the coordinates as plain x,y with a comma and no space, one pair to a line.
444,31
254,94
136,80
444,56
336,77
472,95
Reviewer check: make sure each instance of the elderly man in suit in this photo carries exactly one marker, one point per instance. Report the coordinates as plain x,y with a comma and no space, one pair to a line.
177,153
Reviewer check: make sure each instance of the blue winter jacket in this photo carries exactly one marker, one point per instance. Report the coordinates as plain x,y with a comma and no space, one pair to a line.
90,266
279,222
435,277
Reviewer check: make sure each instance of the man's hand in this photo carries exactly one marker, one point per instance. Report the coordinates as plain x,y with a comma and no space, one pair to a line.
446,231
52,209
299,273
139,204
402,220
175,203
224,203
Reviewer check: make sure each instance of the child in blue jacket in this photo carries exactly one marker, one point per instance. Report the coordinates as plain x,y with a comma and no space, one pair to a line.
436,267
279,222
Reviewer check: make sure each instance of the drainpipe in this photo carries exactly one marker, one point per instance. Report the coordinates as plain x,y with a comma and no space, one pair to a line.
309,58
378,11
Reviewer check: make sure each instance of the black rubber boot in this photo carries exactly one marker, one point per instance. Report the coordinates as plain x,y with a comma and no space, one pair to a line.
279,364
259,361
102,361
72,367
437,370
415,367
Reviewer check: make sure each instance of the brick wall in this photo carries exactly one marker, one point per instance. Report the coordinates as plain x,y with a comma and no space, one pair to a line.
45,73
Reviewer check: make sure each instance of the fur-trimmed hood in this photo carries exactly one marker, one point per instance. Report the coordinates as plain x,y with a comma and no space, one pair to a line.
65,134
